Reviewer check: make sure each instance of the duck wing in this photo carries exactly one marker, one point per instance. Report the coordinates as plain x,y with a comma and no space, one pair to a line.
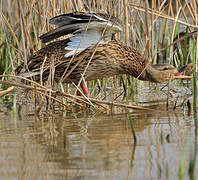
87,29
83,17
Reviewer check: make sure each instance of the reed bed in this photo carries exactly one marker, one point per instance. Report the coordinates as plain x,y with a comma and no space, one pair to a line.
165,31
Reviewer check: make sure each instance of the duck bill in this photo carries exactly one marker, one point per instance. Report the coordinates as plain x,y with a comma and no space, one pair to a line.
181,77
184,68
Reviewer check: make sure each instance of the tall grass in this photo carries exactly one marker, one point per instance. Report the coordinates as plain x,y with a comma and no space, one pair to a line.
151,27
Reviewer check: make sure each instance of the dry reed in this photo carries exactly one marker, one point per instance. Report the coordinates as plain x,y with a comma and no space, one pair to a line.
148,26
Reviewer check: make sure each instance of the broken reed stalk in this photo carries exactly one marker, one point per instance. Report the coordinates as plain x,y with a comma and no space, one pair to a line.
70,97
160,15
44,90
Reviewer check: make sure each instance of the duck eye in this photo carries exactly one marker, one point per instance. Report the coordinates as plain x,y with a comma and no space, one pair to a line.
165,68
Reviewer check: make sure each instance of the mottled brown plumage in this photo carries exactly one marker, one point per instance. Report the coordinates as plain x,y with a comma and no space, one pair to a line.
103,59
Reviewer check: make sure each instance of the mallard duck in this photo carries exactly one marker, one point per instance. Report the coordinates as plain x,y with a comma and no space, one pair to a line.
88,50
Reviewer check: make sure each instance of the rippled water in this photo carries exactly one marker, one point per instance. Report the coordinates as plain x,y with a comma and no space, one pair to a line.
97,146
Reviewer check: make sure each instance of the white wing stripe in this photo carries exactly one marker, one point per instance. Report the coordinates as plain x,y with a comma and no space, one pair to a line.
89,34
99,18
81,41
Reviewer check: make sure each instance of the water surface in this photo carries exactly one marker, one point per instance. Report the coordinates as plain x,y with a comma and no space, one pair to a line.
97,145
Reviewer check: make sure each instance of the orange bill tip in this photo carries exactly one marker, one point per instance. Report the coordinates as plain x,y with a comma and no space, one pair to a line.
181,77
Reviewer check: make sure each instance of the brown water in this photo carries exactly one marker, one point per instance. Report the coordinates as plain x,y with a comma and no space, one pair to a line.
96,146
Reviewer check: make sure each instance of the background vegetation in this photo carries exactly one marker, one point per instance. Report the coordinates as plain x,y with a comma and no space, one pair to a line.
160,29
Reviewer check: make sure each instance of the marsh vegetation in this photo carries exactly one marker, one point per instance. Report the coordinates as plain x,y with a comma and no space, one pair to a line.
134,126
163,31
